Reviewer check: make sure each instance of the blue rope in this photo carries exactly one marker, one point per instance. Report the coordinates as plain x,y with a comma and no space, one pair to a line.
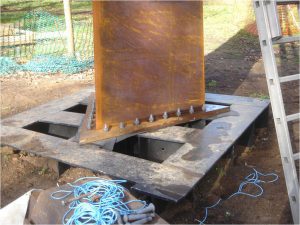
253,179
88,211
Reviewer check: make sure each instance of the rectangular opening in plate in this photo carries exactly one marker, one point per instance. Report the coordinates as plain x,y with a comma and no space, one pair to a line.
147,148
56,130
79,108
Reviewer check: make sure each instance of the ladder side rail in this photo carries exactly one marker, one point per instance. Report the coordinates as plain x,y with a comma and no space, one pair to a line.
277,104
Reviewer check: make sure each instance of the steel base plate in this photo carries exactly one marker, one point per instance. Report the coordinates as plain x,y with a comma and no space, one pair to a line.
166,163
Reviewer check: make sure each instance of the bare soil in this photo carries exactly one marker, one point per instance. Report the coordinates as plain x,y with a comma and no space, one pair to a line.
23,91
235,68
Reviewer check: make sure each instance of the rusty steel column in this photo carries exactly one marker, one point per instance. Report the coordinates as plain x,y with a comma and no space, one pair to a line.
149,62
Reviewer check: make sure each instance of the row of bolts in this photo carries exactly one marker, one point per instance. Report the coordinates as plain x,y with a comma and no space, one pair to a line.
141,216
151,118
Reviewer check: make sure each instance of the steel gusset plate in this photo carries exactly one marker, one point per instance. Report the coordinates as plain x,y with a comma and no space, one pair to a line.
88,132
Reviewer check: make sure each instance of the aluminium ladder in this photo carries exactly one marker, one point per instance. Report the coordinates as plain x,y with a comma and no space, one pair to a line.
269,34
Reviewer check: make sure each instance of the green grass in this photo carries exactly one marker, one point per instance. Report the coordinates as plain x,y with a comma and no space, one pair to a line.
261,96
223,21
13,10
212,83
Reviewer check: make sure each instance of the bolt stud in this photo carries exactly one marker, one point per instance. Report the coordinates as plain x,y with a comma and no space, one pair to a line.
151,118
122,125
165,115
178,112
134,217
191,111
149,209
105,128
136,121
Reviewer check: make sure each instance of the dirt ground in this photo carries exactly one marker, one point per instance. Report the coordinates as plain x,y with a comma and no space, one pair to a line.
23,91
234,68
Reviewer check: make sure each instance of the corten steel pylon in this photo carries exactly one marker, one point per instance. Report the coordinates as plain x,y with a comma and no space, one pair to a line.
149,67
270,33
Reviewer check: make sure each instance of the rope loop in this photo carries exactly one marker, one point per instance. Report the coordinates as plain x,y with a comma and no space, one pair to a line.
253,179
95,201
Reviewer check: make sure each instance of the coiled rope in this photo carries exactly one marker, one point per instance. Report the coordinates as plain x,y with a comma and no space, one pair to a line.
252,179
97,201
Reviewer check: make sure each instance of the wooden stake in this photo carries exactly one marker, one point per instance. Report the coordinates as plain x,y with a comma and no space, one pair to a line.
69,28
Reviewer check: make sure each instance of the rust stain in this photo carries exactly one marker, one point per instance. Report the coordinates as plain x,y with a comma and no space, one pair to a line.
148,58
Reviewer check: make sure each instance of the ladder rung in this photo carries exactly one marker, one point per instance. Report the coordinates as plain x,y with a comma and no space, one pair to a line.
296,156
289,78
292,117
287,39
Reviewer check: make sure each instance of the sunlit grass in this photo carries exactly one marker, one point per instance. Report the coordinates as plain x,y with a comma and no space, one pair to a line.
222,21
13,10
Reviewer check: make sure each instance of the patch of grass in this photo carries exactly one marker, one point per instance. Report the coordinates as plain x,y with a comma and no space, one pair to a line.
227,214
5,157
13,10
43,171
224,20
261,96
212,83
